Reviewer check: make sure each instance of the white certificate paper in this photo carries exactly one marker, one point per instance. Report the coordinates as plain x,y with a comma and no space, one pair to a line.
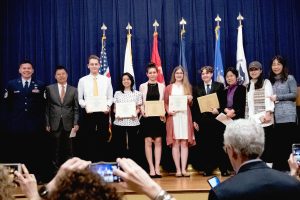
224,119
126,110
154,108
177,103
96,104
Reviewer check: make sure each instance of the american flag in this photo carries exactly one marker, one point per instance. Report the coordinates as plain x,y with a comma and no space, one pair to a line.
104,68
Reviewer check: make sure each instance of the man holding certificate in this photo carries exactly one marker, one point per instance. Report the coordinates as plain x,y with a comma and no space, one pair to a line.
208,154
126,124
180,131
95,95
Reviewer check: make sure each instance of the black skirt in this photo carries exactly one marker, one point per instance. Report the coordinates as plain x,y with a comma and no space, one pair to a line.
152,127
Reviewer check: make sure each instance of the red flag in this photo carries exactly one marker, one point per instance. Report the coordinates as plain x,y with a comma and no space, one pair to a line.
155,58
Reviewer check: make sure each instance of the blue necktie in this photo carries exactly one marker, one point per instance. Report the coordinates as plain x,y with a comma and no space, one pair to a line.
26,87
207,89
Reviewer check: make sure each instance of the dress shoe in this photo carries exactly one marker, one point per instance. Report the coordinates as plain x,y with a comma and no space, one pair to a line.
158,176
225,173
186,174
178,175
207,173
152,176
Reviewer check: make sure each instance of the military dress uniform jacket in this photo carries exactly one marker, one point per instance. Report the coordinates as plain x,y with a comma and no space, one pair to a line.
25,108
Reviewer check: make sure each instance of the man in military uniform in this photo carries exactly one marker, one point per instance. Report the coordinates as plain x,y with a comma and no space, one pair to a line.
25,104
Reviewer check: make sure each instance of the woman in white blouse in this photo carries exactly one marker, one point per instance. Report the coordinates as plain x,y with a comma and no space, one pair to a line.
259,107
125,129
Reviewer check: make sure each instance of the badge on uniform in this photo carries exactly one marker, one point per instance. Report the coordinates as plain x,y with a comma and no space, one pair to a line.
17,91
5,94
35,89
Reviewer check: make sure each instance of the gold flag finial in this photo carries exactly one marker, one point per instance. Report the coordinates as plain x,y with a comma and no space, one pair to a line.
155,24
240,18
218,19
128,28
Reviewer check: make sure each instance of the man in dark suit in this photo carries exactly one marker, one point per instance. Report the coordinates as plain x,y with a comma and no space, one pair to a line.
208,153
244,143
25,104
62,114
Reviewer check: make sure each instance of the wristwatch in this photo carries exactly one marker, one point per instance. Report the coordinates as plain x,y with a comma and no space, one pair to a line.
163,195
43,191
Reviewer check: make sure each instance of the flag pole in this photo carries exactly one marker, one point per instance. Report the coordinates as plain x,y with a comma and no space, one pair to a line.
240,18
182,23
103,28
155,25
128,28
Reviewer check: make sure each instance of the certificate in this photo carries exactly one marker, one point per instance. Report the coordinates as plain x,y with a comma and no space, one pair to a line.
224,119
178,103
208,102
96,104
126,110
154,108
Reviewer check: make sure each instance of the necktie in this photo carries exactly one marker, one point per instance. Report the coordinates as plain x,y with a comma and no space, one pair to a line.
95,87
26,87
62,93
207,89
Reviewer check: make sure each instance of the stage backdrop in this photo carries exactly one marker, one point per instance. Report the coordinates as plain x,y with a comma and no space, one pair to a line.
66,32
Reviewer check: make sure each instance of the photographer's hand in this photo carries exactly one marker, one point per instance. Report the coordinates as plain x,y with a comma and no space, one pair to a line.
27,183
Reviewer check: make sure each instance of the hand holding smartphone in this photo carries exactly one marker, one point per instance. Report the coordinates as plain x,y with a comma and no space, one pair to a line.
296,152
213,181
105,170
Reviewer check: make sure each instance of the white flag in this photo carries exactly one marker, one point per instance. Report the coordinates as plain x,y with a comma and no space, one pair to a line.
241,64
128,66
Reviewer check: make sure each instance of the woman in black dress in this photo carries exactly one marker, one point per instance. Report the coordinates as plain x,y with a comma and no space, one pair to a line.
152,128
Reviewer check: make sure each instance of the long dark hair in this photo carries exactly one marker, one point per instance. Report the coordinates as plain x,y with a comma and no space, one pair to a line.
259,83
284,73
131,79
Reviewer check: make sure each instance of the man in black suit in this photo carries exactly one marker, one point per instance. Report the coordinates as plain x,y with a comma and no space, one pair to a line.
244,143
25,106
62,114
208,154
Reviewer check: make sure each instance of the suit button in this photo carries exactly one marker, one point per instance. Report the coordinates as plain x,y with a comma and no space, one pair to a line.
25,110
25,103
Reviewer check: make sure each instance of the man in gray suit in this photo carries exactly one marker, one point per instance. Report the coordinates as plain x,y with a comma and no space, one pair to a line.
62,114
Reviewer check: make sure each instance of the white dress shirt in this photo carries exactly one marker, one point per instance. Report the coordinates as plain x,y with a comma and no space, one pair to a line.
85,88
60,86
23,82
205,85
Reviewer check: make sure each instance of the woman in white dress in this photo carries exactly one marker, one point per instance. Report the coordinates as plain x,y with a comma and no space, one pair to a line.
180,132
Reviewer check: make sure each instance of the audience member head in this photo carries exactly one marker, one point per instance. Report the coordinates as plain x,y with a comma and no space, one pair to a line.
256,73
127,80
83,185
206,73
6,184
26,69
179,74
231,76
243,140
279,70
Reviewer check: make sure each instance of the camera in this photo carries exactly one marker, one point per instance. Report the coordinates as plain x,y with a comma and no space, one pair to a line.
296,152
213,181
105,170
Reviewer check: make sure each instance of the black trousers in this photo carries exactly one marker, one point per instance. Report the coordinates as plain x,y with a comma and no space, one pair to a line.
61,145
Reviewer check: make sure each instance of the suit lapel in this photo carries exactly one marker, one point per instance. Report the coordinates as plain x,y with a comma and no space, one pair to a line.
56,91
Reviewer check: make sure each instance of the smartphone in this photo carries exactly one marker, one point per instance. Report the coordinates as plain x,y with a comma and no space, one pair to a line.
213,181
12,167
296,152
105,170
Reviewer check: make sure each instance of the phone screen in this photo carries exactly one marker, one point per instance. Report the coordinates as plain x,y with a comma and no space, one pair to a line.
296,152
213,181
105,170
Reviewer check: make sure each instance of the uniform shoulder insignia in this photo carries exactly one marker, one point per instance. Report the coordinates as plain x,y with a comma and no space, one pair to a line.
5,94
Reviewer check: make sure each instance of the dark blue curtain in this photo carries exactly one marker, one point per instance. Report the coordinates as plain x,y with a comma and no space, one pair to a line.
51,32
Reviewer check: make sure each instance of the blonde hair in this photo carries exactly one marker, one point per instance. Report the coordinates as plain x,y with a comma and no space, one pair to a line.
185,82
6,184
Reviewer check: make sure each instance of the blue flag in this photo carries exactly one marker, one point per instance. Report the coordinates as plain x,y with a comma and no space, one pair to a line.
104,68
218,66
182,59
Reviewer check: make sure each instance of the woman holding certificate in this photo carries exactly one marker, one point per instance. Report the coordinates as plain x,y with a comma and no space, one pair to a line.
127,106
259,106
180,131
152,124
